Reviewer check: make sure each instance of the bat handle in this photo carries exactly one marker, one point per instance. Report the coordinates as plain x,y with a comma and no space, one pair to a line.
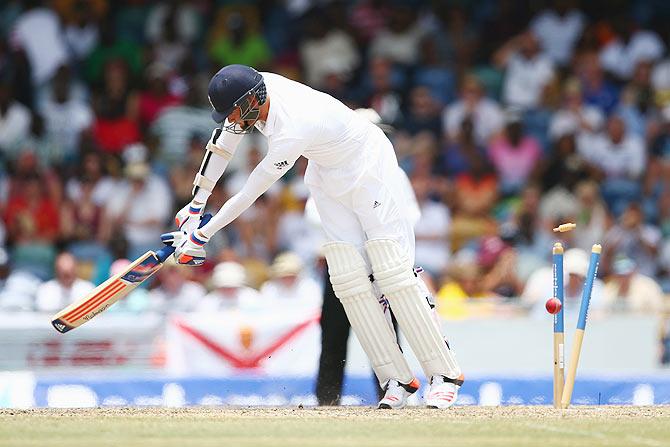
167,251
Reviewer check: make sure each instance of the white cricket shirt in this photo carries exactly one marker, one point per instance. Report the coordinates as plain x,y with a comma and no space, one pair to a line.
304,121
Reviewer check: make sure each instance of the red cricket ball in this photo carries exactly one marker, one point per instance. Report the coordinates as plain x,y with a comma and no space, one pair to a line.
553,305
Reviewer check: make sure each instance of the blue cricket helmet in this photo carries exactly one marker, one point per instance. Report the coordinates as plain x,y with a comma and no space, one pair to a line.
235,86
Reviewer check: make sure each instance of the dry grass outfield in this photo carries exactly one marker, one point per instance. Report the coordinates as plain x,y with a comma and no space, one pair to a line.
351,426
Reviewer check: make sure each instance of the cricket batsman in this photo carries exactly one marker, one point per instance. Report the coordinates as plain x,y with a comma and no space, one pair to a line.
353,176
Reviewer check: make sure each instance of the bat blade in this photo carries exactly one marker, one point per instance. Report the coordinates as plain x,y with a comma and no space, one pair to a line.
107,293
114,289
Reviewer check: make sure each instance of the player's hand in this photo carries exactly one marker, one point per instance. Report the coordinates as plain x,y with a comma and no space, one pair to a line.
174,238
188,218
191,250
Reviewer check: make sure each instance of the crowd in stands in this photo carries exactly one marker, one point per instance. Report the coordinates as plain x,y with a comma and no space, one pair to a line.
509,118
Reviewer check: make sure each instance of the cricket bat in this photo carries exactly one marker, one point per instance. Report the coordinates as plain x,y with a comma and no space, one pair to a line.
114,289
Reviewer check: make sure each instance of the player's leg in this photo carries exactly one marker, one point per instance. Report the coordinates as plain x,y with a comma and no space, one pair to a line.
411,303
390,249
349,275
334,336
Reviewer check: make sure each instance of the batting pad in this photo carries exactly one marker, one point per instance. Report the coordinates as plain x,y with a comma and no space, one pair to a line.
395,278
352,286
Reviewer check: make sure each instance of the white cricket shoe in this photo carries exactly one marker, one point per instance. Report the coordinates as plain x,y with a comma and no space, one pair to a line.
443,391
397,393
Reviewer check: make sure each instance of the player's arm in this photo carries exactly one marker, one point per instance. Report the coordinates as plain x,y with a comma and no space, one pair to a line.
218,153
190,251
259,181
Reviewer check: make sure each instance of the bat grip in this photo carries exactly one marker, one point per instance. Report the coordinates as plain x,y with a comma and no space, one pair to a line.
167,251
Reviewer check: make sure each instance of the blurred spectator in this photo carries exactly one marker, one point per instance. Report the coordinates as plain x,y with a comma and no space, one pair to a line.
31,214
660,81
660,150
464,153
498,261
631,292
14,117
66,118
629,47
558,176
633,239
576,264
385,83
94,171
182,173
289,288
433,72
463,282
168,50
619,159
40,144
432,230
155,97
18,289
637,101
177,16
485,113
175,292
140,209
575,117
81,24
81,220
527,71
236,41
596,89
591,215
399,41
115,106
178,124
368,18
326,51
558,29
230,292
424,113
476,192
525,230
64,289
112,48
456,37
38,32
514,154
9,12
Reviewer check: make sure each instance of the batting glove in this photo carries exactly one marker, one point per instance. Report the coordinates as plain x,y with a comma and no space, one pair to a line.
188,218
191,251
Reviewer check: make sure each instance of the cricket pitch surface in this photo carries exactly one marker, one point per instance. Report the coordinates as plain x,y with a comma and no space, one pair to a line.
337,426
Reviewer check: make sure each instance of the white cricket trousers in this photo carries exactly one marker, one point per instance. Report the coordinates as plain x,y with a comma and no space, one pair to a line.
367,199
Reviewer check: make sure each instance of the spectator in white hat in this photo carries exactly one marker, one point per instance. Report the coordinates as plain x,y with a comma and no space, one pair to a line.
230,290
288,287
